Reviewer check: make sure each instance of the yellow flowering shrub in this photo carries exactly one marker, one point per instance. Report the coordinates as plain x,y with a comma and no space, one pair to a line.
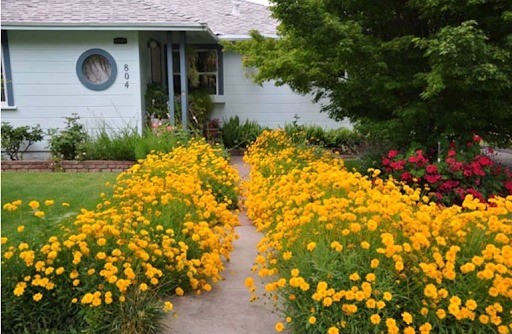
166,229
359,254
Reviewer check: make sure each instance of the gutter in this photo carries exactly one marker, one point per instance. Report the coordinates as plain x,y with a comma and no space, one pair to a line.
110,26
234,37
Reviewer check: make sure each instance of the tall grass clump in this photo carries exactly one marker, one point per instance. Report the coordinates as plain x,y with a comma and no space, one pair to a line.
237,134
165,230
349,253
113,144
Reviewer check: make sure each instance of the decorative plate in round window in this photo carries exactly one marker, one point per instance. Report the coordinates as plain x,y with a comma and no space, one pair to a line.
96,69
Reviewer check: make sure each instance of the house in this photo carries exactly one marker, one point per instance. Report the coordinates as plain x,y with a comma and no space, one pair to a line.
97,58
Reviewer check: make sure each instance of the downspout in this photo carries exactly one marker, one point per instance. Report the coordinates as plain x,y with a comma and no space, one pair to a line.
170,78
184,79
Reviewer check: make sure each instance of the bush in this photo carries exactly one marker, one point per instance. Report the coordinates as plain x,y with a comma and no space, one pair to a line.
450,178
112,144
69,144
239,135
351,253
165,230
13,139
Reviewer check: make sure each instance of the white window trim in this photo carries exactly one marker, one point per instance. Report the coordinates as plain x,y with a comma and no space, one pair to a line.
8,104
216,73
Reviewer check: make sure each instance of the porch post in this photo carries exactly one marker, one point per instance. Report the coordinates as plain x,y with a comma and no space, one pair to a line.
184,79
170,78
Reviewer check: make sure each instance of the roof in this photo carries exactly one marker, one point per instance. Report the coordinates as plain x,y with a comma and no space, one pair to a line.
214,15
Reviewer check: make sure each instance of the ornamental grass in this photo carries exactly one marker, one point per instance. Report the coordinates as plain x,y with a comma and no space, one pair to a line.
348,253
167,229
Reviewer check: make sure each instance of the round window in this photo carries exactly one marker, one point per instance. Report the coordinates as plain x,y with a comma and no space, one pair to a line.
96,69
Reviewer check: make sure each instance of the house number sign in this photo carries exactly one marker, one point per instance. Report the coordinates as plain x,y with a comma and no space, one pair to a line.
126,75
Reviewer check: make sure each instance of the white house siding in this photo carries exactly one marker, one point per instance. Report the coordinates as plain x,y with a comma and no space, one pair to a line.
269,105
46,87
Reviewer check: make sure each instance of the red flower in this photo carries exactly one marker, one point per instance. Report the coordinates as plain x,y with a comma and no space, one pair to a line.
385,162
451,153
433,178
392,154
431,169
406,176
398,165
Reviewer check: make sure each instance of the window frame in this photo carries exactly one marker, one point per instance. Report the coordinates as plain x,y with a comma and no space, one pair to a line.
219,74
6,73
81,76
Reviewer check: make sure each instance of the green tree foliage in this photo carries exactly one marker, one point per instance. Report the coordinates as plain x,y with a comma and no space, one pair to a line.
411,71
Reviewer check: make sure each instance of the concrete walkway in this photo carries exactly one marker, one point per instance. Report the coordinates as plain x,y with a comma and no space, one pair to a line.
227,308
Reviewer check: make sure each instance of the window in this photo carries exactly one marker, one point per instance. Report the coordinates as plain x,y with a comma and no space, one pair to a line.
6,78
205,74
96,69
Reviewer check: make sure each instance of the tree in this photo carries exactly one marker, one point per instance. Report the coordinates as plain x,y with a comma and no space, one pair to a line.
412,71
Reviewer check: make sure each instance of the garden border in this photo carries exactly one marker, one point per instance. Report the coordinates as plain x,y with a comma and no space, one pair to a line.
73,166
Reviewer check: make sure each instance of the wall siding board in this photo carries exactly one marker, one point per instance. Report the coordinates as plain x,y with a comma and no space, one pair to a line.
269,105
47,89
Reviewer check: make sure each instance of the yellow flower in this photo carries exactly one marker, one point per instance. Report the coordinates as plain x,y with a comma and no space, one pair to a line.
65,204
168,306
387,296
179,291
20,228
312,320
333,330
354,277
441,314
87,298
279,327
39,214
20,289
311,246
374,263
375,319
407,318
37,297
33,205
143,287
4,240
49,202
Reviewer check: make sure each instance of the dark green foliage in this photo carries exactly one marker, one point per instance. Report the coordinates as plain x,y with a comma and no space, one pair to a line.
157,98
13,139
236,134
69,144
413,71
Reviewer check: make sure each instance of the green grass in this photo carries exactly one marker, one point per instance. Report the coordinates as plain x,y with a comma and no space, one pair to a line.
80,190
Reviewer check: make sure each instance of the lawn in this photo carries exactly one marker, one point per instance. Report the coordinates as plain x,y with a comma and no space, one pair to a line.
79,190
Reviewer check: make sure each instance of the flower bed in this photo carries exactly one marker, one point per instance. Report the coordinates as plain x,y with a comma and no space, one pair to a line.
359,254
165,230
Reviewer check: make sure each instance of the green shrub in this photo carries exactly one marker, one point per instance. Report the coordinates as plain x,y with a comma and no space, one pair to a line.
236,134
69,144
13,139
